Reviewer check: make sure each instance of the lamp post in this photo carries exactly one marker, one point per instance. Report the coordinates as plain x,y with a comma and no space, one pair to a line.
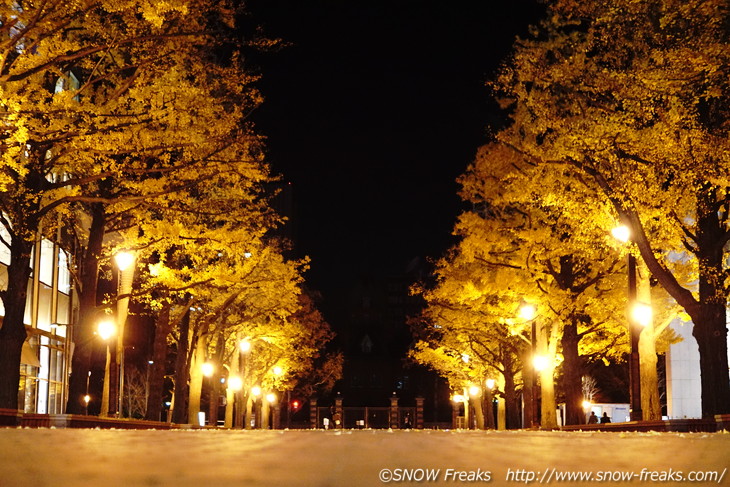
124,261
528,312
244,348
623,234
106,330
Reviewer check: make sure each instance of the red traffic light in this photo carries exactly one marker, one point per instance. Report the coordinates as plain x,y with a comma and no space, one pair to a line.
295,405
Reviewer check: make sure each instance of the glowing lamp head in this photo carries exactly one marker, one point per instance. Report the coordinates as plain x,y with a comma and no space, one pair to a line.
124,260
474,391
641,313
528,311
207,369
278,370
271,397
235,383
107,329
490,384
256,391
587,405
245,346
621,233
540,362
87,399
458,398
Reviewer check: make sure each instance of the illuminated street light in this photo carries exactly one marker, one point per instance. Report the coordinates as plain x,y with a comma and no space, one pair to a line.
641,313
271,397
256,391
474,391
623,234
539,362
458,398
87,399
490,384
528,311
278,370
235,383
245,346
106,329
125,264
123,260
207,368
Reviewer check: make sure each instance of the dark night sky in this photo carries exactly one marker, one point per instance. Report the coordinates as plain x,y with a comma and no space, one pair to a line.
372,113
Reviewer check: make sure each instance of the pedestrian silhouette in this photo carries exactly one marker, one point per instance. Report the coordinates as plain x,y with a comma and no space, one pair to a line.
592,419
605,418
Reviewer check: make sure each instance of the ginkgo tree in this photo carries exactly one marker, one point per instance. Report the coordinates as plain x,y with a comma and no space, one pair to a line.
96,97
517,247
624,105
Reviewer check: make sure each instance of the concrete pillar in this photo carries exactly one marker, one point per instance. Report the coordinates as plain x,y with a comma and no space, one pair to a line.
313,413
339,412
419,413
394,412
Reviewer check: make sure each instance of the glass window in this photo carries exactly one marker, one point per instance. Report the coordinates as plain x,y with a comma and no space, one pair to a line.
44,307
64,275
4,250
63,312
46,272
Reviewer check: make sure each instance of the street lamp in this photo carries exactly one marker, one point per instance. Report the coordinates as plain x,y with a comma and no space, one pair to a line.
528,312
87,398
207,369
106,330
623,234
235,383
124,261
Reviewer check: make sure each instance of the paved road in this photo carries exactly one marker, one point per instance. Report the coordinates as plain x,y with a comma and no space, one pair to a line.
66,457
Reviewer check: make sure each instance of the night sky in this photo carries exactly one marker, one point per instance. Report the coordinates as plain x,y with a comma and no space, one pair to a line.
371,113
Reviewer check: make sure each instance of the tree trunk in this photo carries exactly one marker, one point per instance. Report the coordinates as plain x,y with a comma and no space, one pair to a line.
511,398
196,379
529,401
215,386
157,370
712,342
249,412
180,412
478,403
83,335
265,414
710,319
549,418
12,331
709,312
651,408
572,373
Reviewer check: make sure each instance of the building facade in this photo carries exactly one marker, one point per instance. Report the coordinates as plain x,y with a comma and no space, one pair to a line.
45,358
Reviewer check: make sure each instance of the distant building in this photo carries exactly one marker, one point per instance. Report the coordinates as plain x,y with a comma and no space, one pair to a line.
376,343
